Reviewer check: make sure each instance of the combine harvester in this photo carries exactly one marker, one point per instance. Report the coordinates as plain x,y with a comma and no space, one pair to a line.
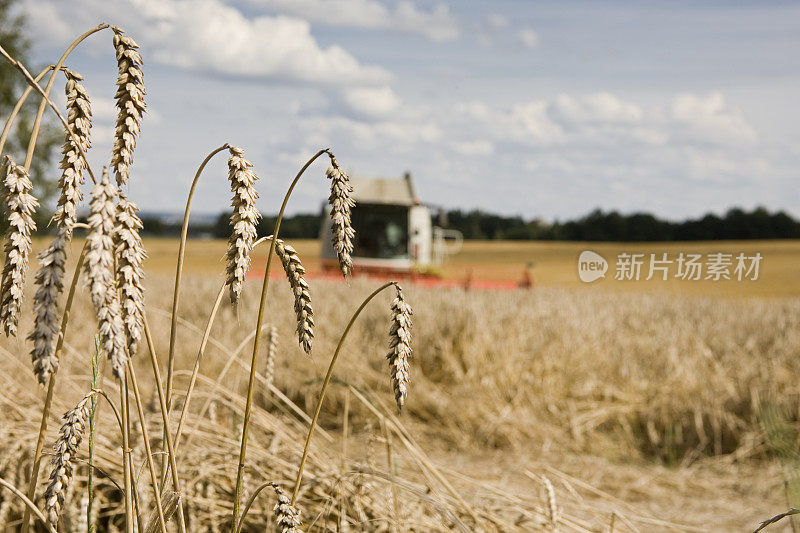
395,236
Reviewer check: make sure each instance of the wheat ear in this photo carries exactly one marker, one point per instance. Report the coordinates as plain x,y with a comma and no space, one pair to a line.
400,346
302,297
99,271
130,104
243,220
130,274
272,354
50,281
79,113
21,206
66,448
341,204
52,260
287,515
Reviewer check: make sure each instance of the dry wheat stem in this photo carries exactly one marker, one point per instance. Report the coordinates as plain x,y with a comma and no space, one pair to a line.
165,419
243,221
99,271
400,346
302,298
256,340
126,451
45,95
325,383
130,104
341,203
146,439
198,359
20,208
18,106
130,255
29,505
66,449
179,270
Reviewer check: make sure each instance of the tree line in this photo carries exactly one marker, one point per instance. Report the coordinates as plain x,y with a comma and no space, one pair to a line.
598,225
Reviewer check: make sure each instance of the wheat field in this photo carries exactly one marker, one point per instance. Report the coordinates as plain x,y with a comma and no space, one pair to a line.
641,405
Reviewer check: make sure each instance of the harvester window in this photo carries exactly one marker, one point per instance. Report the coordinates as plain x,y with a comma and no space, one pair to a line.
381,231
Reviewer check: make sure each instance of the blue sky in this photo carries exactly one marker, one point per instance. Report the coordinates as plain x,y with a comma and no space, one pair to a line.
544,109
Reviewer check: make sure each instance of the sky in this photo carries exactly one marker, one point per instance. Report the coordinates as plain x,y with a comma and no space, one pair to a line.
544,109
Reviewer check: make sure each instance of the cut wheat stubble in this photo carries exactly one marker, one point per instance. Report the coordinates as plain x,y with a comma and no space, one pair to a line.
243,221
20,208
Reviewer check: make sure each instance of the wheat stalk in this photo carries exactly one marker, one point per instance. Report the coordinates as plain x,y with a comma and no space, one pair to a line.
400,346
99,271
130,104
243,220
341,204
21,206
302,297
65,448
130,255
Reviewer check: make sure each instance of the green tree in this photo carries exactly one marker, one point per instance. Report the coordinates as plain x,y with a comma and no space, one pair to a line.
43,173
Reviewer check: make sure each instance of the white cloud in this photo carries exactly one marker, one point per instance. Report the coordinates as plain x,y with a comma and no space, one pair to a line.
711,117
529,38
436,24
497,21
600,107
478,147
211,36
372,102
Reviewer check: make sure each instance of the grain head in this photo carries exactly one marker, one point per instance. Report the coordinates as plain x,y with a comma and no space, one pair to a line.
400,346
130,255
130,104
20,208
302,297
99,272
243,221
341,204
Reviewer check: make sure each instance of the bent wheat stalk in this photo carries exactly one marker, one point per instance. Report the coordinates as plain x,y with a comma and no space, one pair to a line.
199,358
18,106
325,383
29,505
179,271
45,95
256,341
